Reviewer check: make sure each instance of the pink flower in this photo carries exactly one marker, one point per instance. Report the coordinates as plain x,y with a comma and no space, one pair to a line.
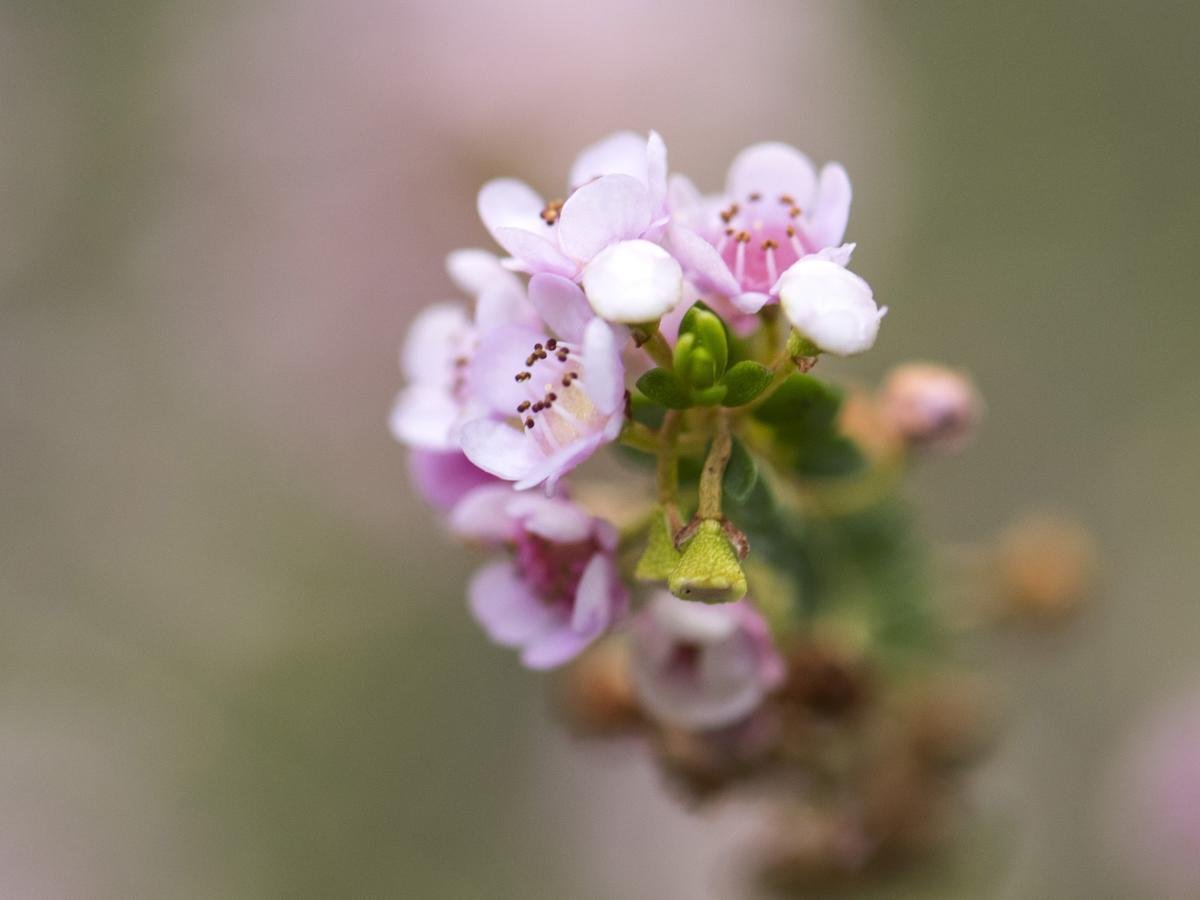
604,233
775,210
444,478
559,590
701,666
567,392
441,342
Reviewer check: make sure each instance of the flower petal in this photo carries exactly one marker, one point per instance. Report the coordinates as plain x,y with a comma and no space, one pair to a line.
550,469
623,153
598,588
498,449
553,648
561,304
830,306
424,416
602,361
750,302
506,607
826,225
500,305
500,357
702,261
534,252
656,172
484,515
771,168
609,209
435,337
444,478
474,271
508,203
633,281
552,518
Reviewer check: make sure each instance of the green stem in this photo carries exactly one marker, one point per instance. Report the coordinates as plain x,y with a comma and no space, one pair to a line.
650,339
714,470
636,435
668,459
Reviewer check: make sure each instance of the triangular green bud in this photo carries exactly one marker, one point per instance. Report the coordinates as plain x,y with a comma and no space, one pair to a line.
660,556
709,570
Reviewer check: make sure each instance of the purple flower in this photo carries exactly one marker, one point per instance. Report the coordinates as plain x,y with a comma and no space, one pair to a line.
603,234
559,590
776,210
700,666
565,393
444,478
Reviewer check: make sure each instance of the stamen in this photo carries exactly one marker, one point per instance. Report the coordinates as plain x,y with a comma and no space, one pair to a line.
552,211
551,344
755,197
529,422
772,273
786,200
794,211
522,406
523,376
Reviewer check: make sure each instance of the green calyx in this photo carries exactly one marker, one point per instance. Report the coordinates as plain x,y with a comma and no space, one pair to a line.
660,557
708,571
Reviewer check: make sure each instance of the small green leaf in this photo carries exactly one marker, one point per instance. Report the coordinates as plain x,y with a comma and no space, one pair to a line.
831,455
741,473
745,381
710,333
801,407
665,388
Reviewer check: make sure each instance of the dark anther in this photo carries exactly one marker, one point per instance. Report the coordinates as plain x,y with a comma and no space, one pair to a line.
524,405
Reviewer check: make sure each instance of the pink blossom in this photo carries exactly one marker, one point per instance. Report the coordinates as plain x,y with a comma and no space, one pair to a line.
776,210
444,478
567,391
559,590
701,666
441,342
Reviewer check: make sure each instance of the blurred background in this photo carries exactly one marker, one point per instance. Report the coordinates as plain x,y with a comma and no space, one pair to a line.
234,656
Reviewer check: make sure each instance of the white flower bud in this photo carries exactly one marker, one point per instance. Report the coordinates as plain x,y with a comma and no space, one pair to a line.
632,282
830,306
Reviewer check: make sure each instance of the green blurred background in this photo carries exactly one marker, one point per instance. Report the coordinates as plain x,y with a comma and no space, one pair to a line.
234,657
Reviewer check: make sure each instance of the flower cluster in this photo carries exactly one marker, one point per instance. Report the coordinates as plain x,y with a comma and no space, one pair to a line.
757,523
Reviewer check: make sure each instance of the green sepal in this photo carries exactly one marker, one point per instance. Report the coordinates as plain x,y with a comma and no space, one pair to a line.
683,349
665,388
709,396
660,557
701,368
744,382
708,571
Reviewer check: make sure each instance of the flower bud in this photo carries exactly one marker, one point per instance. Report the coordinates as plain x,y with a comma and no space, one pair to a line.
830,306
660,556
931,406
632,282
1046,564
708,570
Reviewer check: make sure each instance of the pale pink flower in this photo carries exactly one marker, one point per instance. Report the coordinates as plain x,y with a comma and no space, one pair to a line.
776,210
559,590
565,391
830,305
444,478
701,666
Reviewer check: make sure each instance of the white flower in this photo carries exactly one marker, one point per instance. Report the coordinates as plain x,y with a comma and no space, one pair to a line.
830,306
632,282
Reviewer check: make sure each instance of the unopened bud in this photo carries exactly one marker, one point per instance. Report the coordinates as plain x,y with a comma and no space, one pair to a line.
931,406
708,570
660,557
633,281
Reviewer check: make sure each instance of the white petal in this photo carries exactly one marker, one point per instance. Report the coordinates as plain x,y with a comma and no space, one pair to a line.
436,336
424,416
623,153
498,448
508,203
605,376
632,282
830,306
474,271
561,304
771,169
609,209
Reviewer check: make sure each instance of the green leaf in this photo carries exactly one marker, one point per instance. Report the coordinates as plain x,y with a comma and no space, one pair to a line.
665,388
741,473
800,408
745,381
683,350
830,455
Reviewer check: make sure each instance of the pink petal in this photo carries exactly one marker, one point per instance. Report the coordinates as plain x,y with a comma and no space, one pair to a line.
656,172
826,224
506,607
443,479
424,416
594,596
498,448
483,515
561,304
552,518
508,203
433,340
771,168
702,261
533,252
623,153
474,271
500,305
750,302
550,469
553,648
605,375
497,362
609,209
